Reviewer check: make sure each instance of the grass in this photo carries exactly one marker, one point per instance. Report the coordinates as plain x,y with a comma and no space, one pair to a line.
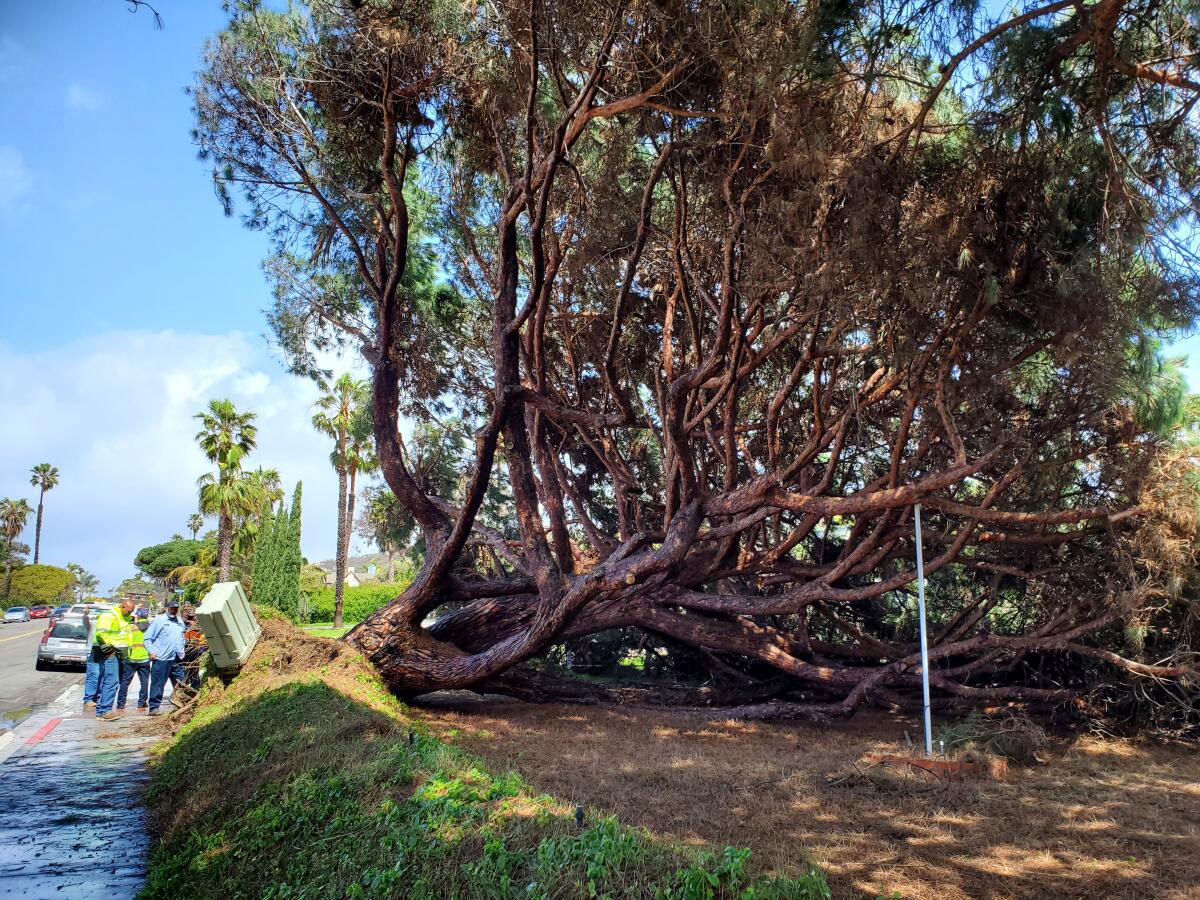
327,630
1089,818
304,778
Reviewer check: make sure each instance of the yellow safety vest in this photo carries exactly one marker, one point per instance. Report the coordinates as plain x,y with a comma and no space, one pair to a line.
137,646
111,628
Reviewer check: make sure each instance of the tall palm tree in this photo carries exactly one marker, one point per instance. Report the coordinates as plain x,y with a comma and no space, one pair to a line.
360,457
340,410
226,436
194,523
45,477
13,516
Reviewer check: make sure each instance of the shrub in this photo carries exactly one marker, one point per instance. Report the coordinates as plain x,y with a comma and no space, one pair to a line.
358,603
39,584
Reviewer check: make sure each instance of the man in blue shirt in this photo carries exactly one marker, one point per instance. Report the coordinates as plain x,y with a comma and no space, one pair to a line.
164,642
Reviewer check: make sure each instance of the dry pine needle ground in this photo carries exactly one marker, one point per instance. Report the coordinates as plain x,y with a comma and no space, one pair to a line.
1096,819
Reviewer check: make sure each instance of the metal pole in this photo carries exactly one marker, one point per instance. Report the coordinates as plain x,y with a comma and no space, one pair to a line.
924,640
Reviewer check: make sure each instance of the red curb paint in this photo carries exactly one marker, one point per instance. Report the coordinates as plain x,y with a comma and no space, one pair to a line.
42,732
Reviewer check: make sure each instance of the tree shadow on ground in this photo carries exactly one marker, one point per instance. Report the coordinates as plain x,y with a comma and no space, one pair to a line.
1097,818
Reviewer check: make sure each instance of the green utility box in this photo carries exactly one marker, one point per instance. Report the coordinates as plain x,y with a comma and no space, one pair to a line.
228,625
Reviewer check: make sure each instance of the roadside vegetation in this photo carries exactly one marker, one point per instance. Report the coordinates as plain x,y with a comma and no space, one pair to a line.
305,778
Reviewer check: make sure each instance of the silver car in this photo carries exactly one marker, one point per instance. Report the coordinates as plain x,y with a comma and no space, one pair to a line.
64,644
16,614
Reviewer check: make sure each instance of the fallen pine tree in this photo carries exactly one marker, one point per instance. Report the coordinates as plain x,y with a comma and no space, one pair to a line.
722,293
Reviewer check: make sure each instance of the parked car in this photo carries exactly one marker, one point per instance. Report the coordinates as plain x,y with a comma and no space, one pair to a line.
39,612
16,614
80,608
64,644
59,611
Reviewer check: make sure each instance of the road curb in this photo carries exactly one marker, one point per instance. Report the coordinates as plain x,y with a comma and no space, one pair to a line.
41,733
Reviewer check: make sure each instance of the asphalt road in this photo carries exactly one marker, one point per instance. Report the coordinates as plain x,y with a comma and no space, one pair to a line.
21,685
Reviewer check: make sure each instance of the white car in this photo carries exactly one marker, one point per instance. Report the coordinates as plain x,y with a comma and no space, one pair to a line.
80,608
16,614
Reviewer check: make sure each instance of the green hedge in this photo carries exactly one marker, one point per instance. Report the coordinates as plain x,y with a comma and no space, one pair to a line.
358,603
32,585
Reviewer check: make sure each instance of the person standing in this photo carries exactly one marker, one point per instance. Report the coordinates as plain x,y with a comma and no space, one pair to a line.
112,639
165,644
136,662
91,681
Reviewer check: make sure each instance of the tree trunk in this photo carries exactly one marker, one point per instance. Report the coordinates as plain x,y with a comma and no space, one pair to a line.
224,543
339,568
8,570
37,536
349,523
391,566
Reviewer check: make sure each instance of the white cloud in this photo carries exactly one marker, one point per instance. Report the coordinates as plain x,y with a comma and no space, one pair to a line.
81,97
15,181
114,413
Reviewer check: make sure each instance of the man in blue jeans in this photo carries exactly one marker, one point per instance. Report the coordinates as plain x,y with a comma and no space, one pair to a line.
112,640
91,683
164,643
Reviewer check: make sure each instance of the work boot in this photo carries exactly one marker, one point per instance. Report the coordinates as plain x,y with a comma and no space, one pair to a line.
90,704
111,716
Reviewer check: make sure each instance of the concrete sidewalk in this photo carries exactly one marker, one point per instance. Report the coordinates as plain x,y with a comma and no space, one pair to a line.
71,821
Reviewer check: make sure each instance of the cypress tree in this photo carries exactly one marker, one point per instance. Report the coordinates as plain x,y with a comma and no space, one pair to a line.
288,573
265,555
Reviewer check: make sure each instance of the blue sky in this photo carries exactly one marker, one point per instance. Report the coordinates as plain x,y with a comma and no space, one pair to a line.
128,299
114,223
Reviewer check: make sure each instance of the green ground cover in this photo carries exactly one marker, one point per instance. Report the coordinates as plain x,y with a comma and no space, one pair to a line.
304,778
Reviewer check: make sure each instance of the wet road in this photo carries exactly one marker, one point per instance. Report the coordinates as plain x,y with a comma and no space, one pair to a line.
71,821
21,685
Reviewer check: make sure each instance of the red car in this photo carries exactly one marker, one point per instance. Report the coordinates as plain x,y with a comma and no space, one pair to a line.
39,612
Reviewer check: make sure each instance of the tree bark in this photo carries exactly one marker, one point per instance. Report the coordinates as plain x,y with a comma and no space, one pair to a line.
224,543
37,535
339,567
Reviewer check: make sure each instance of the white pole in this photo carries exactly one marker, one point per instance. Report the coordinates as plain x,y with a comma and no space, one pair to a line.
924,640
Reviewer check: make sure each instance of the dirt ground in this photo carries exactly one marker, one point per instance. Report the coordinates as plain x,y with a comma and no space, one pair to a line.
1096,818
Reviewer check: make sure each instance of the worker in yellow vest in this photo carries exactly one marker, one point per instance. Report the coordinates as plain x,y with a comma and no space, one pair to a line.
136,661
112,642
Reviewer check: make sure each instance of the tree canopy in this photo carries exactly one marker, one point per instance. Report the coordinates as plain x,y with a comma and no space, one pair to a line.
159,560
40,584
722,292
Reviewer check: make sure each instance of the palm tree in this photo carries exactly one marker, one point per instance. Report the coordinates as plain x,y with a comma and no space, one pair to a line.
45,477
85,582
267,490
202,571
13,516
360,457
194,523
340,414
226,436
